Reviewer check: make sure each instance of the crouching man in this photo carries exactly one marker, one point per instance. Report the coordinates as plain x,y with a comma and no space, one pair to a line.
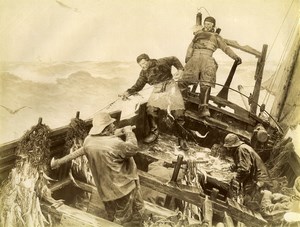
252,174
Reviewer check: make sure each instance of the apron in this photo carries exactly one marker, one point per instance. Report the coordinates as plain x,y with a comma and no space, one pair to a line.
166,95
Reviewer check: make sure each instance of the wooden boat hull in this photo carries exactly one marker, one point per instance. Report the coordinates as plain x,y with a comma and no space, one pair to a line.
216,190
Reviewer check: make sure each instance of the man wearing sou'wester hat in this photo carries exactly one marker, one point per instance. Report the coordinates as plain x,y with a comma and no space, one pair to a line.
114,170
252,173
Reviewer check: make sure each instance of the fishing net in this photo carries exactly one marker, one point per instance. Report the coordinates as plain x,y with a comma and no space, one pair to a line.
27,183
74,140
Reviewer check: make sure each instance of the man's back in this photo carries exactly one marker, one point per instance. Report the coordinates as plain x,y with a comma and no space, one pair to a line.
112,166
250,160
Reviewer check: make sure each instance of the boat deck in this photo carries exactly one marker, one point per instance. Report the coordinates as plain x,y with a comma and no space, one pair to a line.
166,150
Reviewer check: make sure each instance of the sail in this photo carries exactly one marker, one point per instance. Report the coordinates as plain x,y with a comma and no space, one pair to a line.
286,107
270,85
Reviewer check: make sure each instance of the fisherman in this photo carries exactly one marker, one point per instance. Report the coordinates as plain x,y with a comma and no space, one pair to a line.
252,174
165,95
200,65
114,169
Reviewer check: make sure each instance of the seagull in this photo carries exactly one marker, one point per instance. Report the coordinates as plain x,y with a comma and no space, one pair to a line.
16,110
66,6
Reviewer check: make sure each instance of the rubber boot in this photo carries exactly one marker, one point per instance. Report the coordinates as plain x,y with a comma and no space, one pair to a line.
179,129
153,135
203,106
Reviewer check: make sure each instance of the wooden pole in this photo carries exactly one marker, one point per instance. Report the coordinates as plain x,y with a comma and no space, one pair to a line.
258,78
174,178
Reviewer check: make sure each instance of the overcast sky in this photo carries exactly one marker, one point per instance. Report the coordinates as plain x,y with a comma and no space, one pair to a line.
107,30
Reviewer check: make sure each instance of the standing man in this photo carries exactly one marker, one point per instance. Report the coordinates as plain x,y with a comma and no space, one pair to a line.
165,95
252,173
200,65
113,169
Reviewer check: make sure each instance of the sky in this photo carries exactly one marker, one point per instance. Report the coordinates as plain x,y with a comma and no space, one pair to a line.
120,30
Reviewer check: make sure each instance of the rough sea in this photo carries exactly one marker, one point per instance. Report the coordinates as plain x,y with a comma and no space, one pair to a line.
55,91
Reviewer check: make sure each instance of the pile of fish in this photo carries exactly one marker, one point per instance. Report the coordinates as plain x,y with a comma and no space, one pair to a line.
27,183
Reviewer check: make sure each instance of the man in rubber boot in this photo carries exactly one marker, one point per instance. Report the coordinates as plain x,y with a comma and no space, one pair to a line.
252,174
114,169
165,95
200,65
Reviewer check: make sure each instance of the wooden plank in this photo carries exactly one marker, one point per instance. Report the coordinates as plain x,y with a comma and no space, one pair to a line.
240,113
8,151
69,216
244,117
197,199
61,184
6,168
9,158
245,48
58,133
96,205
189,194
228,129
8,146
237,213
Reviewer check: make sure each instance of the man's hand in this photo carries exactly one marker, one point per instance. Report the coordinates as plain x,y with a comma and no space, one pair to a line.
238,59
127,129
178,74
118,132
124,96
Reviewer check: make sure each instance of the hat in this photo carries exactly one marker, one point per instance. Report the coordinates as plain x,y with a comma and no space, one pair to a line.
210,19
100,121
141,57
232,140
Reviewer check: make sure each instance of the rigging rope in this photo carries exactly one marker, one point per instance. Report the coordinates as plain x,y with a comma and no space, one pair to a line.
113,102
267,96
280,28
199,9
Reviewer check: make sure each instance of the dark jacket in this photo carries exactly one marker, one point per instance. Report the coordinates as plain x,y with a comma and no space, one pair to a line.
209,41
250,167
158,71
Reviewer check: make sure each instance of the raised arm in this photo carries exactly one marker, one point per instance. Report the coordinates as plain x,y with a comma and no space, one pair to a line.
129,147
227,50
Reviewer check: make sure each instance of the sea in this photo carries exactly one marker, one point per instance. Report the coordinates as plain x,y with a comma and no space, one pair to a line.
56,91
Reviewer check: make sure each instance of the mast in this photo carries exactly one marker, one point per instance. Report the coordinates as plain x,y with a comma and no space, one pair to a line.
258,78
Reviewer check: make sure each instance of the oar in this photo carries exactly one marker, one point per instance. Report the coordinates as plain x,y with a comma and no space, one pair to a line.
224,91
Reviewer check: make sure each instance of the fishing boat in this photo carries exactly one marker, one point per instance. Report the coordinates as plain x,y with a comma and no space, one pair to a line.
54,190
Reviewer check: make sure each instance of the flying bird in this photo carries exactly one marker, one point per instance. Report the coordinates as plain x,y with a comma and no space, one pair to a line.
16,110
66,6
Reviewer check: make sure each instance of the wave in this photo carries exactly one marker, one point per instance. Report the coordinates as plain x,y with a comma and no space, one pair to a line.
49,72
56,91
